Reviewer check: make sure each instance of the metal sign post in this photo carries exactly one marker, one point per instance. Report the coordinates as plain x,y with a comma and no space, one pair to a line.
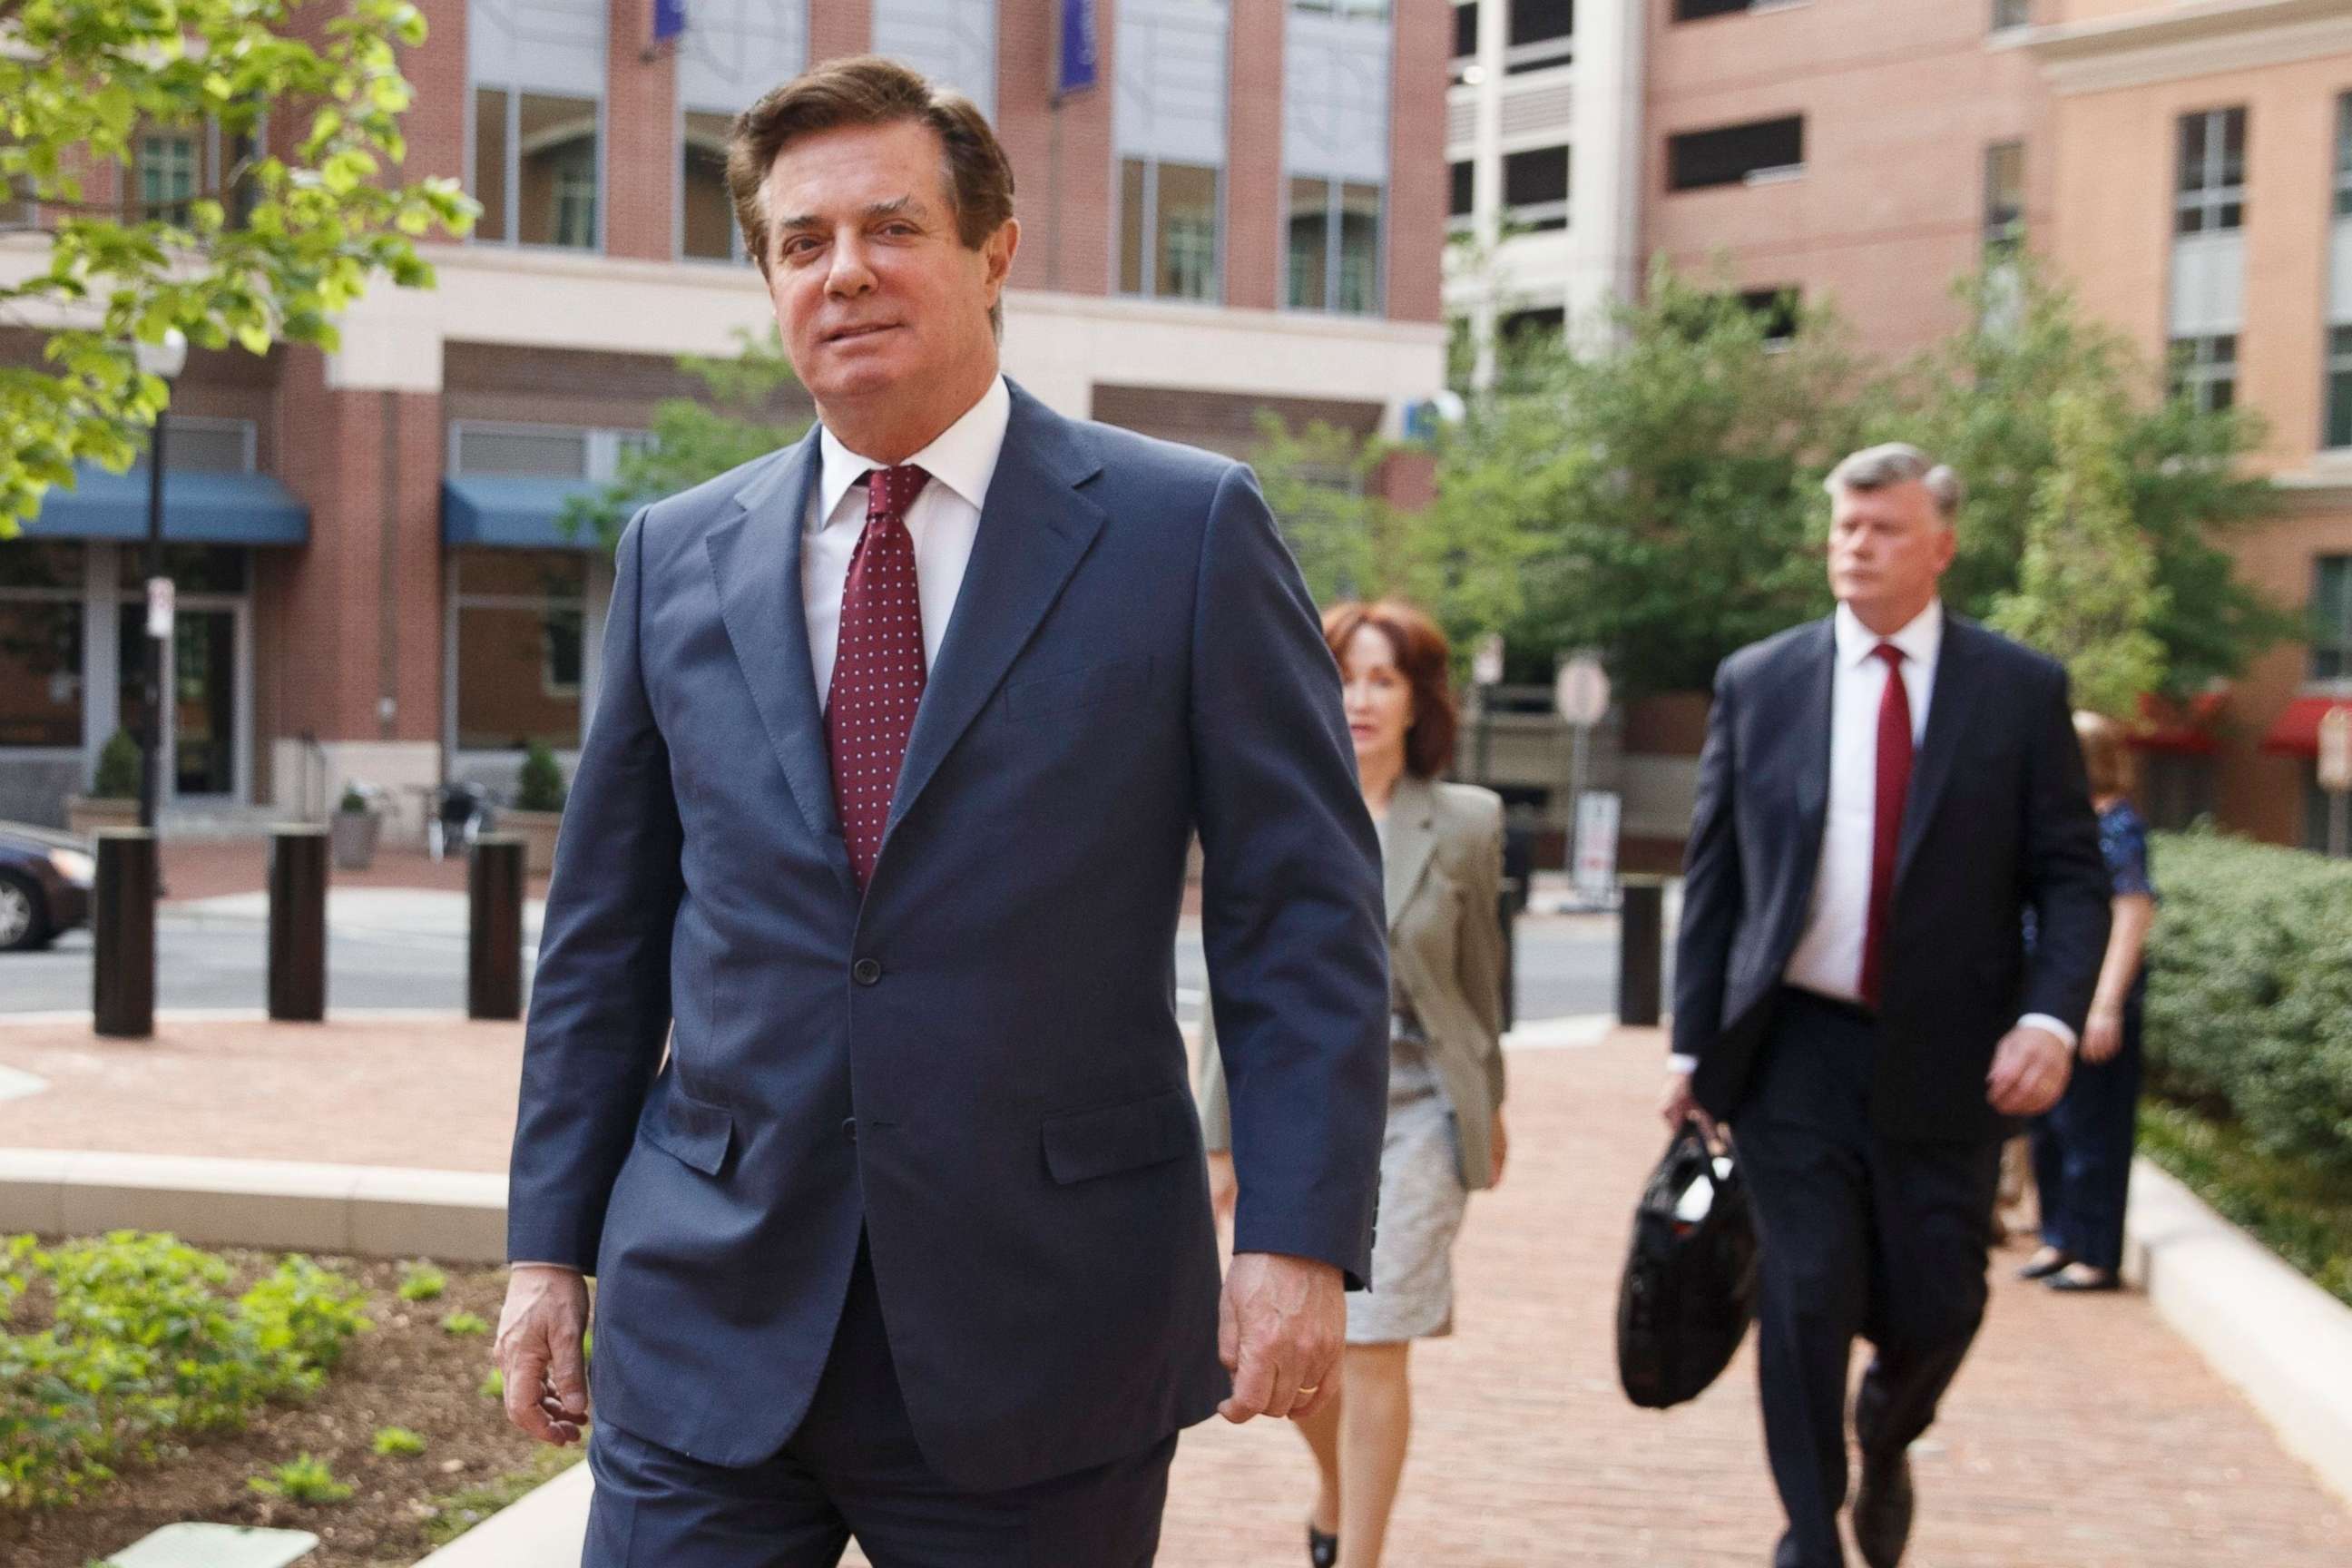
1580,696
1485,674
2335,777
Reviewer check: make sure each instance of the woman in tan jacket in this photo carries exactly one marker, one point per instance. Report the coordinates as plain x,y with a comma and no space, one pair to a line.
1442,848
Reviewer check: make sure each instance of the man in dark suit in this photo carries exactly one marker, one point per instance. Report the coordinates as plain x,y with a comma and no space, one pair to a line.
882,823
1884,797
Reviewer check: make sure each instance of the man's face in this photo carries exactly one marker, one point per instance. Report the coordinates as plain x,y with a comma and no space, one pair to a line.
1888,548
876,294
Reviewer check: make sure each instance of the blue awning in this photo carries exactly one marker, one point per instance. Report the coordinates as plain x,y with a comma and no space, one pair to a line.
513,512
198,509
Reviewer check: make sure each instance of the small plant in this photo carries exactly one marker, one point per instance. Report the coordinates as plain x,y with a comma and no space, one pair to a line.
539,787
117,774
398,1442
420,1281
302,1479
465,1325
495,1386
355,802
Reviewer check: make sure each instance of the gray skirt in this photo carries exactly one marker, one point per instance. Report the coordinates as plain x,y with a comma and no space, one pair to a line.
1421,1205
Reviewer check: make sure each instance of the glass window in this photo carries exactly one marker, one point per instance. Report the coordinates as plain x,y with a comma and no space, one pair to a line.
707,213
1465,28
1359,249
490,153
40,644
2212,197
2339,387
193,444
520,617
2205,370
1542,35
2011,14
2344,157
2331,618
1698,10
193,568
1168,230
556,179
1373,8
1464,201
498,450
1310,243
1776,307
2004,212
1733,154
165,176
1535,187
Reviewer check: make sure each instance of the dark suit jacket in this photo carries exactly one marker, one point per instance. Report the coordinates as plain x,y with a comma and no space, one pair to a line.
1997,822
977,1064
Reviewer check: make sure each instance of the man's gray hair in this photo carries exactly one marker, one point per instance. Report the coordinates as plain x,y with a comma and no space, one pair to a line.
1898,463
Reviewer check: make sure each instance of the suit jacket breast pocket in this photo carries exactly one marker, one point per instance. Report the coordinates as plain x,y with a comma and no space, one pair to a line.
1069,691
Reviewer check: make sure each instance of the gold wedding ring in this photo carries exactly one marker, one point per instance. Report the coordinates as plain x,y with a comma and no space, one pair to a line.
1311,1388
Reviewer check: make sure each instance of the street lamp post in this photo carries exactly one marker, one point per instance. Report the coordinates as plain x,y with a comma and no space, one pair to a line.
165,359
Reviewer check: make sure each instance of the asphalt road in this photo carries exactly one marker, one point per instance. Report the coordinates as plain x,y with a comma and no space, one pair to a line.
410,954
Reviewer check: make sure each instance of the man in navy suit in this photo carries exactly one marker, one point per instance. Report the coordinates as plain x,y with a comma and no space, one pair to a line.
881,824
1884,798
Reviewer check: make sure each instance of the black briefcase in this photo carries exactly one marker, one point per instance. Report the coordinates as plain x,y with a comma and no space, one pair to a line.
1689,1287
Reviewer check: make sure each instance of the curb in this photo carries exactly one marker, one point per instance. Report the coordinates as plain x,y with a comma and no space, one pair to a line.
545,1529
373,1210
2276,1337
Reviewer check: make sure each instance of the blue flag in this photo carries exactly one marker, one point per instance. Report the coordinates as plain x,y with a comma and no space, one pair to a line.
669,19
1077,54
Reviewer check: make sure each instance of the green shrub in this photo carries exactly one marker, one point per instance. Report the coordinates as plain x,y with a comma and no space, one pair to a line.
465,1325
540,786
117,774
302,1479
494,1386
398,1442
2249,993
420,1281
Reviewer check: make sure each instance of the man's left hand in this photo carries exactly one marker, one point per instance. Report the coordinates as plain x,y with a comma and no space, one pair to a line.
1279,1326
2030,1069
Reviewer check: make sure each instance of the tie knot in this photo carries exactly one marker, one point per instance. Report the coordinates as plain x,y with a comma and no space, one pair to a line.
1890,653
890,491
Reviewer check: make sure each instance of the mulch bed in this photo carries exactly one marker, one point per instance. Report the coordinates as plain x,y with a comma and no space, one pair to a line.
405,1372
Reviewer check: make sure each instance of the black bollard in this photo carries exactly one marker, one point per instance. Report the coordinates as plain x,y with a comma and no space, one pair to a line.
122,924
494,933
298,923
1641,951
1507,910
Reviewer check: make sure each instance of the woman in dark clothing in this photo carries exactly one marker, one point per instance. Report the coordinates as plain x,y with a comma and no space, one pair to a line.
2083,1148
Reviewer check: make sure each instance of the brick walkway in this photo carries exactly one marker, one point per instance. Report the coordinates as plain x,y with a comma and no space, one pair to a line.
2082,1432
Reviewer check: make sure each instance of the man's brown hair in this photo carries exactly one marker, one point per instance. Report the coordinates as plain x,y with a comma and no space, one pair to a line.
869,89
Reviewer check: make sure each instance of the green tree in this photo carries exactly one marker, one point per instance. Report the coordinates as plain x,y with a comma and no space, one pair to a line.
290,236
2086,591
742,415
1989,402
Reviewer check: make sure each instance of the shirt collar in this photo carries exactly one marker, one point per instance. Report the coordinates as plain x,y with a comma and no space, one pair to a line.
1920,641
963,456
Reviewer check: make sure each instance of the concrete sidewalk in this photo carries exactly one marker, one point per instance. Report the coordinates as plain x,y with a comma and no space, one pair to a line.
2082,1432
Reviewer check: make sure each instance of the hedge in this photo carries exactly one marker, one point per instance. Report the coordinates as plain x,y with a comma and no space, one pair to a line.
2249,993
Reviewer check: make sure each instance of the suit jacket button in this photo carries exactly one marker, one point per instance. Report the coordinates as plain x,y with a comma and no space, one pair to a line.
866,972
849,1130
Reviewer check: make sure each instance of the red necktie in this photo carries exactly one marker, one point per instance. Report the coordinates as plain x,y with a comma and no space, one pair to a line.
877,668
1887,816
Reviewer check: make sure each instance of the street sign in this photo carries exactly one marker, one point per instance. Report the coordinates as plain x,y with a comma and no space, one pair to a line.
159,602
1486,664
1597,816
1580,694
2335,749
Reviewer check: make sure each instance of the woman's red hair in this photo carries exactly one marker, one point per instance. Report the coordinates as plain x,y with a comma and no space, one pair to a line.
1421,654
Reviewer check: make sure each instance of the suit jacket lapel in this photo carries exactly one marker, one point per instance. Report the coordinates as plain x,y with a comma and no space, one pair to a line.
1949,705
1809,732
1412,838
755,560
1033,529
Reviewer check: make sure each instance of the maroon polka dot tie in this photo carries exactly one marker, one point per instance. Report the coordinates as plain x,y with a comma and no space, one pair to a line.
877,670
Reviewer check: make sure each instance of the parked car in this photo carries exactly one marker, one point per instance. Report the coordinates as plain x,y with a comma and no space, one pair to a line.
45,881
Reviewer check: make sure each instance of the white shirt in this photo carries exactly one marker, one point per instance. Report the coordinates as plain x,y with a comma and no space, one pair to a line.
1827,960
943,521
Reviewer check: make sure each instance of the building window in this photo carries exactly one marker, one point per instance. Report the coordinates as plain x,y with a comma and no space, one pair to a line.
2344,157
41,592
1736,154
520,617
1700,10
1535,188
1168,230
1465,30
164,174
1374,8
535,168
706,229
2212,172
1776,309
1542,35
1464,207
2008,14
2205,370
1328,275
2004,209
2331,618
1520,328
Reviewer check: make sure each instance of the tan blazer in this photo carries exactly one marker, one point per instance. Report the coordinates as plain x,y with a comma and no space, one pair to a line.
1443,875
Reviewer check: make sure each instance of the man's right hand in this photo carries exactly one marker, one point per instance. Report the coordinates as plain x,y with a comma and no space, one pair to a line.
1680,1105
540,1336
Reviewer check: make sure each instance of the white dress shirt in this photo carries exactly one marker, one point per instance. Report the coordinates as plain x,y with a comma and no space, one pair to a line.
943,524
1827,958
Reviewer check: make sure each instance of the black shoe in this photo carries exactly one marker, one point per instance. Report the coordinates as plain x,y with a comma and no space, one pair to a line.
1323,1550
2093,1280
2043,1268
1881,1511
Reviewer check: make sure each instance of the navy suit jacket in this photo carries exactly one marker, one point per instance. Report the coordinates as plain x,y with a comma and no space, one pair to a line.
978,1063
1997,822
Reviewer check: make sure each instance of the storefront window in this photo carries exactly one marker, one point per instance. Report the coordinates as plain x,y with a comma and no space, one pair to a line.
521,616
40,644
